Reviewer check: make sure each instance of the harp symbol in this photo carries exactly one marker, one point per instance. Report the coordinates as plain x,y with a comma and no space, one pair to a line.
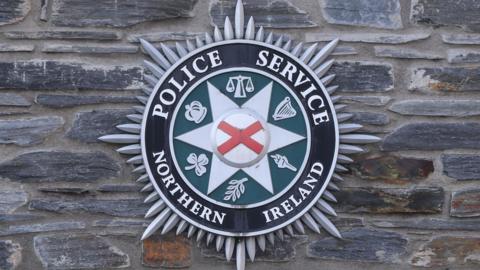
284,110
240,88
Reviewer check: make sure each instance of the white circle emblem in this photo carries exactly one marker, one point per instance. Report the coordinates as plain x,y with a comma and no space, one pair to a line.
240,138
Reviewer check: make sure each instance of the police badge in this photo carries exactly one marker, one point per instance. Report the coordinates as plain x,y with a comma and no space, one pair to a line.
239,138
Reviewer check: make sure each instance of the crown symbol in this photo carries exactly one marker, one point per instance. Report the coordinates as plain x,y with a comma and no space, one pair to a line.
284,110
240,88
195,112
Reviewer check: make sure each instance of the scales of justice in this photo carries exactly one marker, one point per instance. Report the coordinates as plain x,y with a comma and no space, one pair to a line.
240,88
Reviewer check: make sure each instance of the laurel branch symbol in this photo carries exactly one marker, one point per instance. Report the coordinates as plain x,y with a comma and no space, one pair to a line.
235,190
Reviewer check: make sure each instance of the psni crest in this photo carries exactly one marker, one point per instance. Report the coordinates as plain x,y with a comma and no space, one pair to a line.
237,150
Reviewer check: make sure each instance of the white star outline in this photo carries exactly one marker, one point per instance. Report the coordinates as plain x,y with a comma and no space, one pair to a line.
221,104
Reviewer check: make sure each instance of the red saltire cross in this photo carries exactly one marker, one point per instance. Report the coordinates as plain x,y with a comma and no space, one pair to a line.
240,136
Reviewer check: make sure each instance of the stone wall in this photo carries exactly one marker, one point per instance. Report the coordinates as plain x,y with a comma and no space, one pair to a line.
410,71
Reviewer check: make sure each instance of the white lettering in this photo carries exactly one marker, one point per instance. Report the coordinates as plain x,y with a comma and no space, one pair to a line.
275,63
177,85
164,96
185,200
262,61
218,217
196,67
214,59
195,208
181,196
188,73
299,81
267,216
168,180
320,117
286,206
158,111
312,99
206,213
304,191
290,69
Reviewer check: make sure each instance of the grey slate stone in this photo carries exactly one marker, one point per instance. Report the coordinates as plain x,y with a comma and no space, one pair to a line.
10,254
390,200
344,223
10,200
121,226
340,50
371,13
54,166
16,48
59,75
41,227
89,49
445,79
14,112
434,136
360,245
344,50
164,36
375,101
31,131
462,56
463,13
112,207
44,9
66,35
362,76
89,126
455,107
64,190
465,39
370,118
120,188
124,223
461,167
19,217
367,37
272,14
117,13
7,99
67,101
282,251
433,224
61,251
405,53
13,11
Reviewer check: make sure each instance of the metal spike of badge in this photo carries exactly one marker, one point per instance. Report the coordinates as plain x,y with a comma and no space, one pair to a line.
220,137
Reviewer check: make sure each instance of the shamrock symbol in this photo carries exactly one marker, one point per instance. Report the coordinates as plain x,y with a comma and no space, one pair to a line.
197,163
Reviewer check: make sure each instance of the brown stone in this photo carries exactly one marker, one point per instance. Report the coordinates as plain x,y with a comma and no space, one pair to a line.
465,203
391,169
445,79
448,251
169,251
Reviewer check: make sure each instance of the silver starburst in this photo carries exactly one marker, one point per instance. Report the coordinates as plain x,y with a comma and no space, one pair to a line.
165,219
